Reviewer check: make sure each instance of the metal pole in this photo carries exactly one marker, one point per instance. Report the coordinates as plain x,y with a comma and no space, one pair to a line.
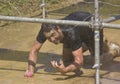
39,20
115,26
111,19
43,8
97,43
43,2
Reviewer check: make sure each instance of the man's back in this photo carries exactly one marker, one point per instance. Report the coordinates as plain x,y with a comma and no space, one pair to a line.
74,34
79,16
80,31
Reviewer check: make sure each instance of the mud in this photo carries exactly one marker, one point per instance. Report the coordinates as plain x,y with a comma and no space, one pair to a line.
15,43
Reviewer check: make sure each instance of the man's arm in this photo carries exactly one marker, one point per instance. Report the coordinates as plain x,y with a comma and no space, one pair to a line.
78,61
33,58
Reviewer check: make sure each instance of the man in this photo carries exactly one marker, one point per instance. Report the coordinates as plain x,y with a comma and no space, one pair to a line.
73,39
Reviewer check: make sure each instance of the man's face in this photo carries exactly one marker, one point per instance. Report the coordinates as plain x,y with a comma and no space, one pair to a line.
53,36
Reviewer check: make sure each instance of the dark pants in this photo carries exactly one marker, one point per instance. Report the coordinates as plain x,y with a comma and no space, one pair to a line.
68,57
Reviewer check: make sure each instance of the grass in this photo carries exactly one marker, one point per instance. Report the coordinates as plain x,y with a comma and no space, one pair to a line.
17,7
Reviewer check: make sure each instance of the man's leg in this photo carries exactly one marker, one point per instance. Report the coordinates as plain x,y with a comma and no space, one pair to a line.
84,47
110,50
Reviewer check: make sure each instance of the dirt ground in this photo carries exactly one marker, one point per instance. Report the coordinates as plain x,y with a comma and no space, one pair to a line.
15,43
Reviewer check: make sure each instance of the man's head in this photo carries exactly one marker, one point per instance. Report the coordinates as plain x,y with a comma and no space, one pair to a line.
52,32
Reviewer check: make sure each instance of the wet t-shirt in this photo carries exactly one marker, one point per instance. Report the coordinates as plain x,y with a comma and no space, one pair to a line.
74,35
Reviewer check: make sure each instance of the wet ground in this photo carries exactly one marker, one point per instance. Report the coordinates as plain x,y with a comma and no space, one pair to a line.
15,43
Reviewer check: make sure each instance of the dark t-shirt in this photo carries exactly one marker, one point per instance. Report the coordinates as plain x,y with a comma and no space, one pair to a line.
75,35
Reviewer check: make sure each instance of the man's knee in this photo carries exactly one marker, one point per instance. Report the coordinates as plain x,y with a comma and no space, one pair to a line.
84,47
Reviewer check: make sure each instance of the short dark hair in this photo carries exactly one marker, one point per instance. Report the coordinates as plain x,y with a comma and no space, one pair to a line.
47,27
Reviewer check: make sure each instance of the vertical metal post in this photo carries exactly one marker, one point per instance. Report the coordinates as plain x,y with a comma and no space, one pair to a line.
97,43
43,8
43,2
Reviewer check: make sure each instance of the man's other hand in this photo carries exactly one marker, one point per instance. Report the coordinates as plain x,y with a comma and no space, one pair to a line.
59,66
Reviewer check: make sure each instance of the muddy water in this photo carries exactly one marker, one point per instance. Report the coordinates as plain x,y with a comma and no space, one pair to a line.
12,72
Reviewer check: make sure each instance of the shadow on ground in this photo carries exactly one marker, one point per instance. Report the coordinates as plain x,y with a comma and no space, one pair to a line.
45,58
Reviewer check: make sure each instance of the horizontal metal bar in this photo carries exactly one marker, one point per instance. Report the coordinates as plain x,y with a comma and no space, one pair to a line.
109,25
111,19
38,20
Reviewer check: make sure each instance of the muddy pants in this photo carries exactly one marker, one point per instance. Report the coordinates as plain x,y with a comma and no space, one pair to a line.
108,52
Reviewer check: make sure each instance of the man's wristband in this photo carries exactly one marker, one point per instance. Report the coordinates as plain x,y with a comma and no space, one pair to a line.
31,63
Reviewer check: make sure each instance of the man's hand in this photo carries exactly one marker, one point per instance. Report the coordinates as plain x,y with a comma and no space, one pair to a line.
59,67
28,74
